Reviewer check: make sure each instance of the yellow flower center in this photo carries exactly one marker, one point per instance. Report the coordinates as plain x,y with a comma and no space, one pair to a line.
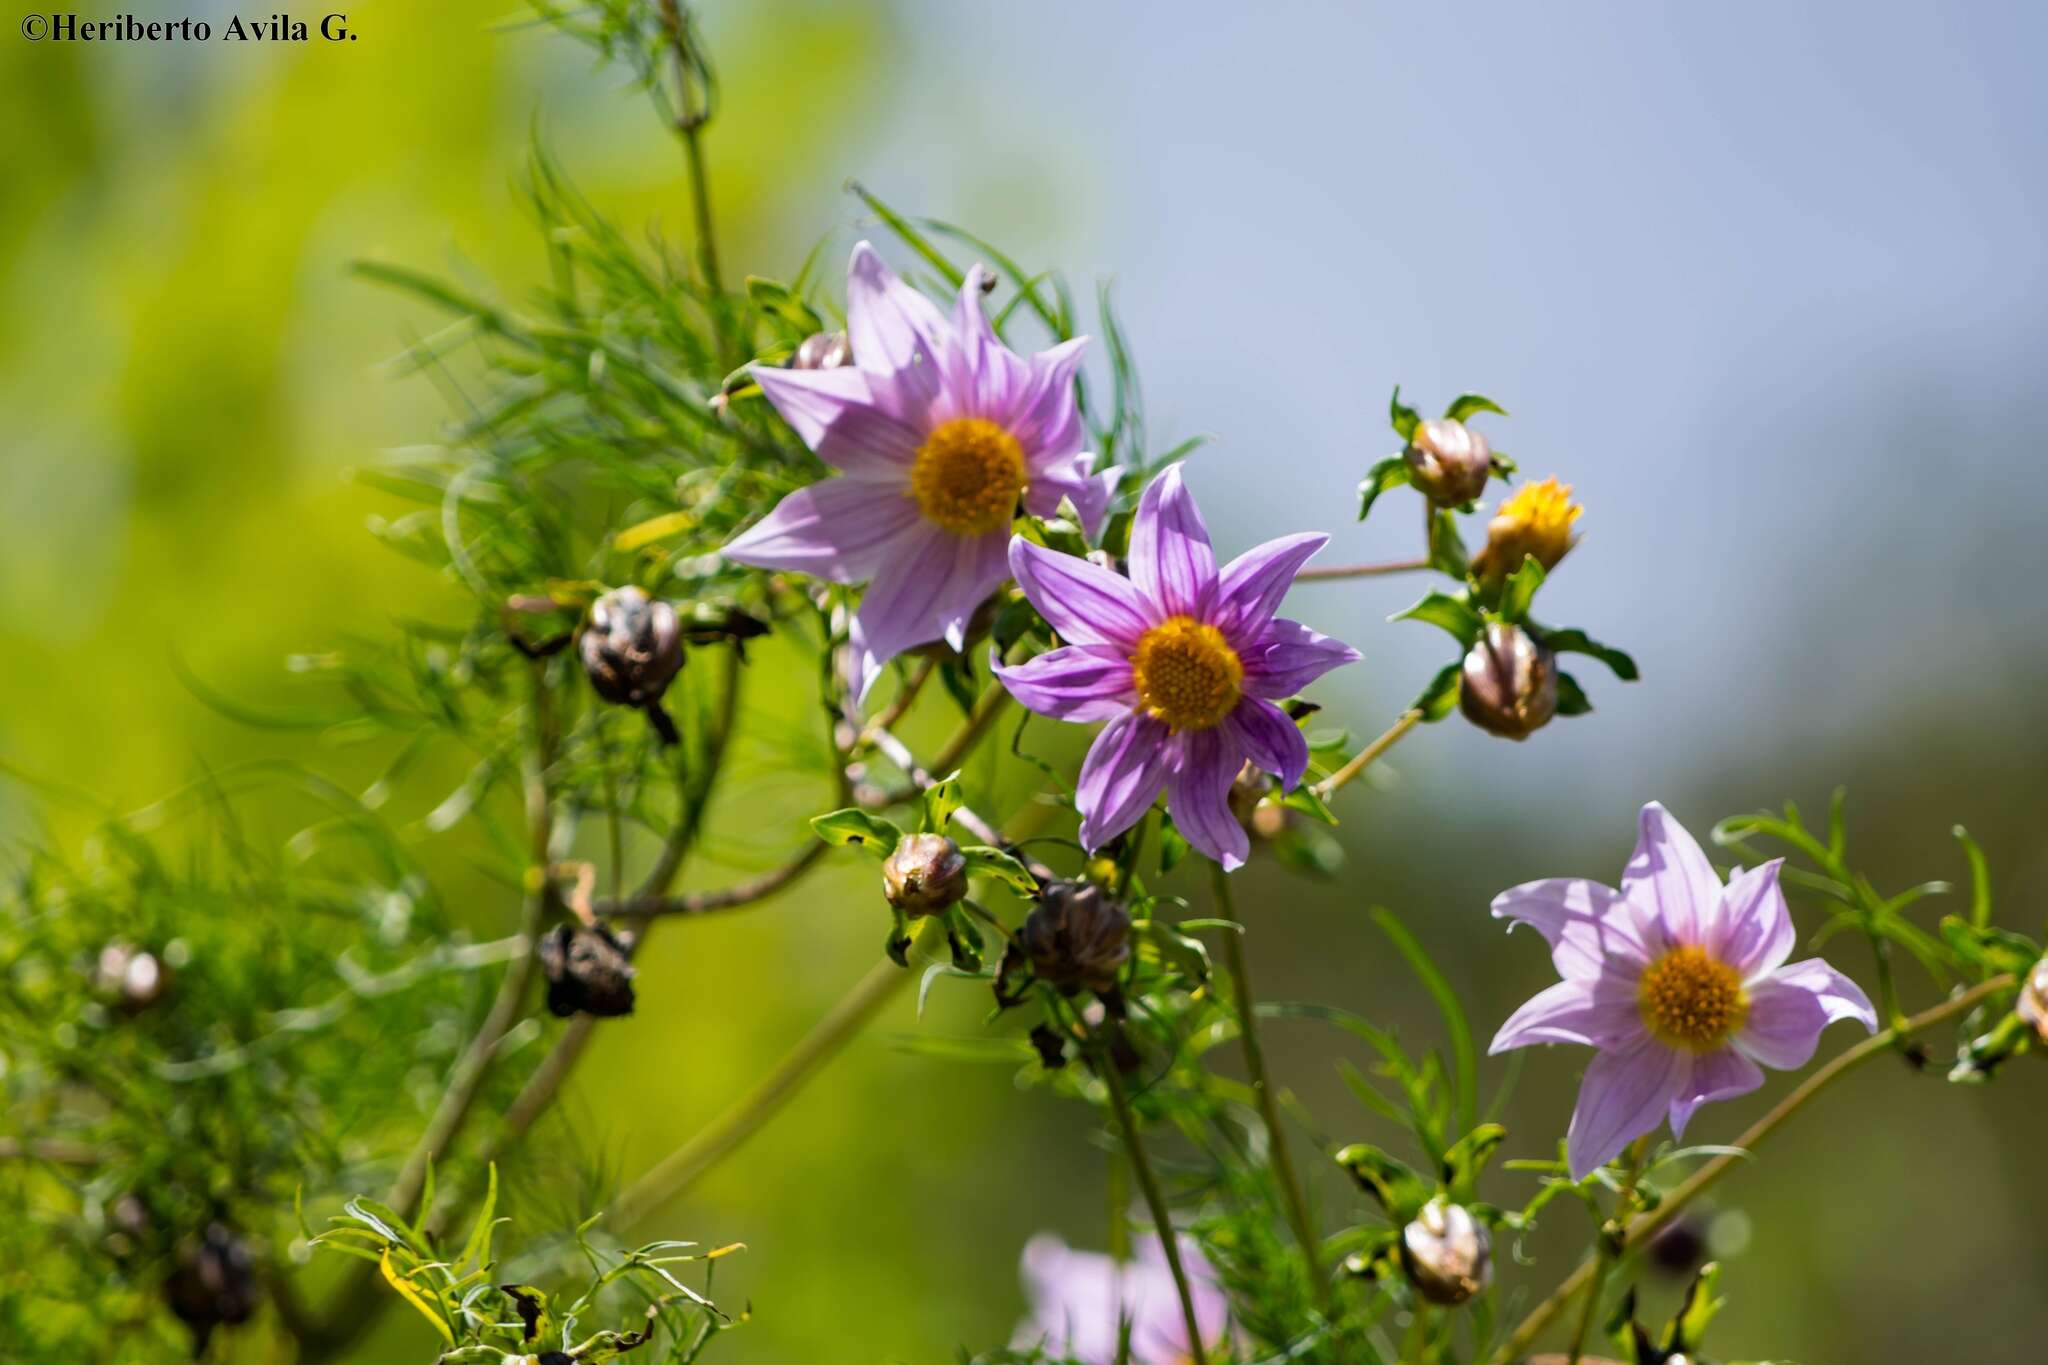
1692,1001
1537,521
1186,673
968,476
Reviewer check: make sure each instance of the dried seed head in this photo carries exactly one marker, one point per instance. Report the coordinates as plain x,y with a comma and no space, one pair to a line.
2033,1003
1446,1253
1077,937
926,875
632,648
1448,461
214,1282
822,351
131,978
1510,683
587,971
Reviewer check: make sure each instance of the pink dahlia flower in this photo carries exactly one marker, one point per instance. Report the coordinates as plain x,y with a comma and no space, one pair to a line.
1183,660
1081,1299
1677,981
938,432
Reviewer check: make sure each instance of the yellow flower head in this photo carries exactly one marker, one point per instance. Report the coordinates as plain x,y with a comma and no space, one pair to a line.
1535,521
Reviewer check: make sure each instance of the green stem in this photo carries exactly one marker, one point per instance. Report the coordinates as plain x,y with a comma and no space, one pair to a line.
1269,1107
1366,756
1609,1233
1169,1239
690,119
1699,1181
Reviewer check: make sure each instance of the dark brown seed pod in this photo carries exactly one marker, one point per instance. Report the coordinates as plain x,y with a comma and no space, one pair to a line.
1446,1253
1510,683
632,647
587,972
1077,937
214,1283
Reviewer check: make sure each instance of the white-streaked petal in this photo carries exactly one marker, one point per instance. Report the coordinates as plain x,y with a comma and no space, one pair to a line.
1626,1093
1670,877
1587,925
841,529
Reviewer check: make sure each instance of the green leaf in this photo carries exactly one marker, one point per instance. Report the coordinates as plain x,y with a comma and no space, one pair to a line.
1578,642
1389,473
1404,418
1447,552
1464,406
855,828
1689,1326
1440,698
1464,1056
941,799
1996,950
1304,799
1453,613
1571,698
1468,1157
912,238
477,1250
1177,951
1521,590
983,861
1980,879
1387,1178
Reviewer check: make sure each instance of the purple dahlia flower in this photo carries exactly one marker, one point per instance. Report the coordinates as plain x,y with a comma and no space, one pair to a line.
1679,982
1184,661
938,432
1081,1299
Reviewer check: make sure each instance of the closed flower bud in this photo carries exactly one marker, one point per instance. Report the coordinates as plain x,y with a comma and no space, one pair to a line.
1446,1253
1510,683
925,875
2033,1004
1536,521
214,1283
131,978
633,647
1448,461
1077,937
822,351
587,971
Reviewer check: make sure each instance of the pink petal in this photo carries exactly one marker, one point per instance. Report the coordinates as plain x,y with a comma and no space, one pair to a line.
1593,1013
1720,1075
1789,1008
1754,924
1626,1093
1250,587
928,584
1047,416
1264,734
896,334
1085,603
1198,797
1670,877
1288,657
1075,682
833,412
1586,924
1170,559
980,377
841,529
1121,777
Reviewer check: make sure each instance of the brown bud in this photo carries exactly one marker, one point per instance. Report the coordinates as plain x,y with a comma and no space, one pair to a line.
1510,683
1446,1253
214,1282
1448,461
822,351
632,648
925,875
1077,937
131,978
587,971
2033,1003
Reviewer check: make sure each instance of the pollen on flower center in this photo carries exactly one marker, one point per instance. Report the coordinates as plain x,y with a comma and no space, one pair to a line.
1691,1000
968,475
1187,674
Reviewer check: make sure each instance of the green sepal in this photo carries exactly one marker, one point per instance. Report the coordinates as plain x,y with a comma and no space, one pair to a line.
983,861
941,799
1304,799
1440,698
897,946
1578,642
1388,474
1173,845
963,938
855,828
1995,950
1450,612
1378,1256
1403,418
1689,1324
1466,405
1177,951
1520,590
1400,1191
1571,698
1468,1157
776,300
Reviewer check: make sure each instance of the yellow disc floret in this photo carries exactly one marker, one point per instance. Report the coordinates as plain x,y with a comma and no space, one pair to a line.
968,476
1691,1000
1187,674
1535,521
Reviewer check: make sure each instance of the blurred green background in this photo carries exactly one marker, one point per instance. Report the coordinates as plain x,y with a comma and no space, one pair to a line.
1783,352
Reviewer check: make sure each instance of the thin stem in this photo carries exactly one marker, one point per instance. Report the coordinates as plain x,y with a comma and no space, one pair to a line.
724,898
690,120
1699,1181
1366,756
1269,1108
1605,1251
1382,570
1169,1239
681,1168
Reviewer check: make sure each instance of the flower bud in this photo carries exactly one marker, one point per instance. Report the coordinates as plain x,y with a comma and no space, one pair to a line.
925,875
587,971
632,648
2033,1002
1448,461
131,978
1510,683
1446,1253
1077,937
214,1283
1536,521
822,351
